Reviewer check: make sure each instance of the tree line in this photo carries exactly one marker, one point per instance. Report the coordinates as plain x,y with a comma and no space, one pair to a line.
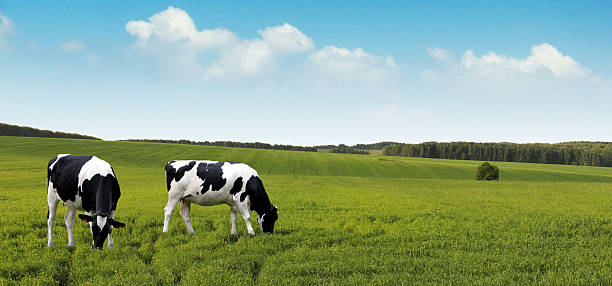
16,130
567,153
343,149
253,145
371,146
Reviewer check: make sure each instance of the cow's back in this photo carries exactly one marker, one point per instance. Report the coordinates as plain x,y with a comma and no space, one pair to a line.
63,174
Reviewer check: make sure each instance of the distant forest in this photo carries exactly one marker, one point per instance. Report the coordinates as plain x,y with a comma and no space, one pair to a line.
356,149
372,146
255,145
15,130
568,153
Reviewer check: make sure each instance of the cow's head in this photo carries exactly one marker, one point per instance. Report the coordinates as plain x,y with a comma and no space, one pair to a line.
266,221
100,226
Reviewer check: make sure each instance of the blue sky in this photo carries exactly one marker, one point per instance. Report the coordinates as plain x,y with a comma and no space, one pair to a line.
309,73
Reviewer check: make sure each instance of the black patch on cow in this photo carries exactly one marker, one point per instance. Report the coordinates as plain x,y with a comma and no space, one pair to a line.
237,186
260,202
65,175
212,175
176,175
100,194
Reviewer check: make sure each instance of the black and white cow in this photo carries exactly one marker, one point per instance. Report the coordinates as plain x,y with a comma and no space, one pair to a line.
209,183
83,183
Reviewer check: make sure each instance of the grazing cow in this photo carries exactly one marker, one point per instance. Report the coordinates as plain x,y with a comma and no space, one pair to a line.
209,183
83,183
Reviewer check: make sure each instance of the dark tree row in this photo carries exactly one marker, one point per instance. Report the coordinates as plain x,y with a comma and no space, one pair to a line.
349,150
15,130
254,145
569,153
372,146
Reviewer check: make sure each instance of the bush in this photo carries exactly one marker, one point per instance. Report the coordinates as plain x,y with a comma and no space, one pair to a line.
487,172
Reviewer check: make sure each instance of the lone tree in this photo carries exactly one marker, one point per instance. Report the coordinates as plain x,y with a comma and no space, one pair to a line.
487,172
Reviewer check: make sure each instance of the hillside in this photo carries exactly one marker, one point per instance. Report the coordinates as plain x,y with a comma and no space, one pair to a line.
16,130
273,162
343,219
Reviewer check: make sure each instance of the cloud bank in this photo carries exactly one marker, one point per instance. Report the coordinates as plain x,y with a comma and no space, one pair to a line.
172,39
544,61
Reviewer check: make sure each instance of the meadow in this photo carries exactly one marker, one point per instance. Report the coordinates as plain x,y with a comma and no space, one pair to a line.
343,220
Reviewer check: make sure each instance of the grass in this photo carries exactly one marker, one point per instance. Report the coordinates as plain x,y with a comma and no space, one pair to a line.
343,219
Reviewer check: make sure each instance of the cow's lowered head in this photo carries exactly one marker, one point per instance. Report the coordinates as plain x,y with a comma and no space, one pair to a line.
266,221
101,226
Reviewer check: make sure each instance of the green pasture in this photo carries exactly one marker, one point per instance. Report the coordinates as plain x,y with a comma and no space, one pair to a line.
343,219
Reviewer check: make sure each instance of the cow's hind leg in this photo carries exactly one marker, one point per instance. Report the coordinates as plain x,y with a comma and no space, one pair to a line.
168,212
69,221
186,214
111,243
52,201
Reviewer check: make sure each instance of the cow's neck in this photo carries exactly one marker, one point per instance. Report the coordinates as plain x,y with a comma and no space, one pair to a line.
260,203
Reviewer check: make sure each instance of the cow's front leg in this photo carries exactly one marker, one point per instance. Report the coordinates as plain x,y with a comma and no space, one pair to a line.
52,202
69,221
186,215
111,243
168,212
233,216
246,215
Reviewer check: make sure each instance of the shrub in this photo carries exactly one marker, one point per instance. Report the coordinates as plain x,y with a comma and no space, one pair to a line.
487,172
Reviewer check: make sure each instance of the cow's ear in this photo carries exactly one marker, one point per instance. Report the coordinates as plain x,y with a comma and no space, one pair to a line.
86,218
116,224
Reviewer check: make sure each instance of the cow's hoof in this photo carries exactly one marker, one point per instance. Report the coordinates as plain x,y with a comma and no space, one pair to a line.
111,246
71,245
50,244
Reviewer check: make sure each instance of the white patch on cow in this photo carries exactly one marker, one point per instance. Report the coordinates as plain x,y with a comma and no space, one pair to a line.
101,221
58,157
95,166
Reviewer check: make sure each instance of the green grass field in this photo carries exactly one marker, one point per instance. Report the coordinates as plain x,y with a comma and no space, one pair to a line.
343,219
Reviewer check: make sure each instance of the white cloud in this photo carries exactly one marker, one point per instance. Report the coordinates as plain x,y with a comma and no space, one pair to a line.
439,54
6,28
543,60
172,38
72,46
356,64
286,38
174,25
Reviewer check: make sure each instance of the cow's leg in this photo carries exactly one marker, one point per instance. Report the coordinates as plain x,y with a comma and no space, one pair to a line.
246,215
233,216
186,214
69,221
111,243
52,201
168,212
